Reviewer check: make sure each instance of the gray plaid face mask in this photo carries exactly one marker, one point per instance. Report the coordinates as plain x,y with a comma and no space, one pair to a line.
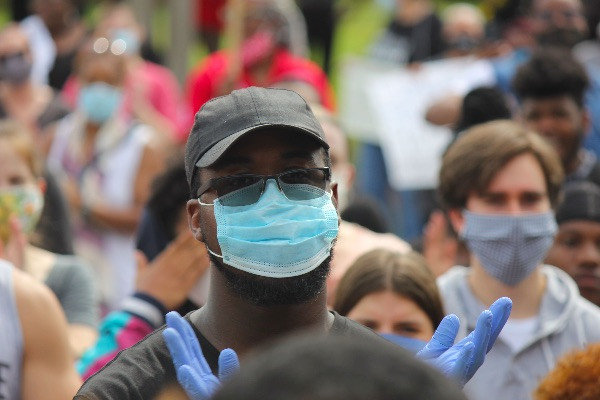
509,246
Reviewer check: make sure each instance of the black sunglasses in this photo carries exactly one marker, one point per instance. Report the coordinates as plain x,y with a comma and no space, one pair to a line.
296,184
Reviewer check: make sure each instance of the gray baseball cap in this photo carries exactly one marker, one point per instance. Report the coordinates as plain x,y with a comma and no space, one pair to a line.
223,120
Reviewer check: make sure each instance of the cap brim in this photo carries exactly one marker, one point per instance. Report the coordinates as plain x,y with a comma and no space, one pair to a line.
215,152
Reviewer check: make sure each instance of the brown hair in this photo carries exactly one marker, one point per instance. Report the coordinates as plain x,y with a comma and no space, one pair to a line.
21,139
405,274
574,377
475,158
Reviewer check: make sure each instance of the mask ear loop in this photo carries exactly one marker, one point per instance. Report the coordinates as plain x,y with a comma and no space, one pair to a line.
204,204
209,250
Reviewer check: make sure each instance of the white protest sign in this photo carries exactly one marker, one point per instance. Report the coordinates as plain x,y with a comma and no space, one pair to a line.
391,112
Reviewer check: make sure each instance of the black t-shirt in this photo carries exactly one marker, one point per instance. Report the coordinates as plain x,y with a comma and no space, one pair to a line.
146,369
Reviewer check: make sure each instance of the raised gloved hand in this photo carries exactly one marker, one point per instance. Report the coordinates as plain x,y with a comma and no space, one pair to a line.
460,361
193,372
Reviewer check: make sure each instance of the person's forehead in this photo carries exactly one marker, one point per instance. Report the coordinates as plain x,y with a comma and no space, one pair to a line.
561,101
547,5
523,172
580,226
13,39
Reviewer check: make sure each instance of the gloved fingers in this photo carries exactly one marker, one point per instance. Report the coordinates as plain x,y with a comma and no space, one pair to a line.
193,384
442,339
190,341
176,321
177,348
460,368
500,312
480,339
228,363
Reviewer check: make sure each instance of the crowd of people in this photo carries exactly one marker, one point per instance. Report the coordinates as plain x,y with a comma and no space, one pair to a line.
229,237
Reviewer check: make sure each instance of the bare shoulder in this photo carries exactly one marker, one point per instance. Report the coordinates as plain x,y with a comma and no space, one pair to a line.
31,295
37,306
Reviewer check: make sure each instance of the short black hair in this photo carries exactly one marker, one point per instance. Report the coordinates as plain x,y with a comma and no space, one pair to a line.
168,196
482,104
335,368
551,72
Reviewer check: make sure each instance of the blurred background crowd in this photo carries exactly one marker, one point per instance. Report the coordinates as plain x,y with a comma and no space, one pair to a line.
97,99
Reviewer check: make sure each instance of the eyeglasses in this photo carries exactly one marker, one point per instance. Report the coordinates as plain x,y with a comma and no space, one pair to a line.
103,45
296,184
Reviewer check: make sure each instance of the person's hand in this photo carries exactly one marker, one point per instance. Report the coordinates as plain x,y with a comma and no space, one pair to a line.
439,247
174,272
13,248
460,361
193,372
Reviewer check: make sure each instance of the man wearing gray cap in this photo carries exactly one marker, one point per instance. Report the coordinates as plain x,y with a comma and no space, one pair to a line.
263,204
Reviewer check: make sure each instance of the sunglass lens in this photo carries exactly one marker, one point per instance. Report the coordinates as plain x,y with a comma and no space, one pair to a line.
303,184
239,190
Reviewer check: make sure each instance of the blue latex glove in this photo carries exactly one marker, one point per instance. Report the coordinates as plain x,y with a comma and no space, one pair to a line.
193,372
460,361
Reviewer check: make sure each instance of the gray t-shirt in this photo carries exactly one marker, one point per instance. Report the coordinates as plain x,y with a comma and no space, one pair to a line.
72,282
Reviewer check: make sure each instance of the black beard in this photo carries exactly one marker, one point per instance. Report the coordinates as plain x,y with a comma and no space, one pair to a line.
266,292
560,37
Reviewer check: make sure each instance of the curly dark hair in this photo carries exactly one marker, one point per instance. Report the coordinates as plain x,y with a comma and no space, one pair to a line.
551,72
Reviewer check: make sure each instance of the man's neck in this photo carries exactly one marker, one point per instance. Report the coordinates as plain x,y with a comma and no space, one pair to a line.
526,296
227,321
574,164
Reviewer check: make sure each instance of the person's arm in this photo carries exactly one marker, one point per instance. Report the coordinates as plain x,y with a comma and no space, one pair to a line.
125,220
161,285
119,330
48,371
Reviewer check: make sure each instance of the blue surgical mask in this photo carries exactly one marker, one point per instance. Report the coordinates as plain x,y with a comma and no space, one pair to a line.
99,101
276,237
509,247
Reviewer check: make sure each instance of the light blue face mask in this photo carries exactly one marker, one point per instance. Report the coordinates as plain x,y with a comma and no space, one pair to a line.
99,101
276,237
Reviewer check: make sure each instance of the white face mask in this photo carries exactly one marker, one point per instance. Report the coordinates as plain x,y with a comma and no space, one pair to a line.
509,247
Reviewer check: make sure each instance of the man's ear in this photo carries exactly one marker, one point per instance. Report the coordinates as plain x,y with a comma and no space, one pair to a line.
456,219
334,197
193,214
334,194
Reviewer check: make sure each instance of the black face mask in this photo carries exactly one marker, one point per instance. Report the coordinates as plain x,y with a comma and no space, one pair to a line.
464,43
14,68
560,37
